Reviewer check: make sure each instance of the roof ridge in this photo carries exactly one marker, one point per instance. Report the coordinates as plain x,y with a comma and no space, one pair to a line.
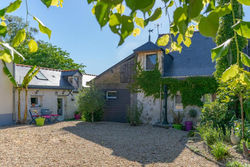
44,68
89,74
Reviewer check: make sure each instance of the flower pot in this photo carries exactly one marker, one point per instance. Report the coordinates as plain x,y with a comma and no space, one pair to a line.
177,126
77,116
188,125
40,121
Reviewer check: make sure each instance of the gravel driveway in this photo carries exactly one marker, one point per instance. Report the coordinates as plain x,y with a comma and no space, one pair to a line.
76,143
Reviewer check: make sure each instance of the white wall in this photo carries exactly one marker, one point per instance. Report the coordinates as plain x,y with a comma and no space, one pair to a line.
48,99
86,78
6,96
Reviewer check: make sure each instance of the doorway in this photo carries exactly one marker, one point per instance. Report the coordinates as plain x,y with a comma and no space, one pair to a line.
60,108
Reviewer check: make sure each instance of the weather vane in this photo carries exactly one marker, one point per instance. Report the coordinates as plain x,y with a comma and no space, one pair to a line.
149,31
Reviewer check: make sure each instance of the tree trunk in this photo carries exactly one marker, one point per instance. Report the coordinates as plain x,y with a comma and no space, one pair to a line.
19,105
26,106
242,117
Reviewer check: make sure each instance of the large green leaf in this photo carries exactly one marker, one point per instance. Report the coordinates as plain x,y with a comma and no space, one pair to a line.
5,56
187,42
245,59
114,21
126,28
32,46
13,6
231,72
139,5
47,2
2,12
209,25
180,19
156,15
220,50
163,40
42,27
9,75
242,28
19,38
12,51
3,30
223,10
195,7
244,2
139,22
102,11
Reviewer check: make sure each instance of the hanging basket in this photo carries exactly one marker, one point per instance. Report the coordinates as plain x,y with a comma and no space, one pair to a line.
40,121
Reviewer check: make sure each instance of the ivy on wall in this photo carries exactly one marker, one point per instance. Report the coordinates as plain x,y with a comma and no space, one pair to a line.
191,89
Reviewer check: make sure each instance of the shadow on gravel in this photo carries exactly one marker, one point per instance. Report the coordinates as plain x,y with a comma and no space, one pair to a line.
144,144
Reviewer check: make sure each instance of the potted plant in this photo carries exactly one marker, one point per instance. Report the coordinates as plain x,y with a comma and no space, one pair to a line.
39,120
177,120
77,115
189,124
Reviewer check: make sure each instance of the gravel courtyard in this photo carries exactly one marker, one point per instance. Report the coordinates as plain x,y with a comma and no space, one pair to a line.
75,143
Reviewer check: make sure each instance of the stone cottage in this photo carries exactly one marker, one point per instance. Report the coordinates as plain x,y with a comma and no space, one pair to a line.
192,61
53,89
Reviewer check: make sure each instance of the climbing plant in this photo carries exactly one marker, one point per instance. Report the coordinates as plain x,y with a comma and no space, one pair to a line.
151,83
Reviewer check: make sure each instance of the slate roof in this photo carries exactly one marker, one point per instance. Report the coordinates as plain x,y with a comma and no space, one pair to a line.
55,79
193,61
149,46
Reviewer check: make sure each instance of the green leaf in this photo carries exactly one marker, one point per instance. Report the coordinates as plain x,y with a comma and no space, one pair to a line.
13,6
195,7
19,38
47,3
139,22
231,72
2,12
42,27
173,29
242,28
3,30
187,41
220,50
171,3
176,47
180,14
32,46
156,15
245,59
120,8
209,25
12,51
136,32
126,28
115,19
180,39
211,6
102,11
244,2
139,5
163,40
5,56
223,10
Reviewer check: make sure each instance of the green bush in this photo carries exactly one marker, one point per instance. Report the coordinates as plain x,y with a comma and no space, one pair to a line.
238,129
219,114
219,150
234,164
192,113
134,114
90,104
209,134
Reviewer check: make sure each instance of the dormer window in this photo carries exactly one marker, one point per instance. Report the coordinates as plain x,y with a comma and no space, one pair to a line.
40,76
151,61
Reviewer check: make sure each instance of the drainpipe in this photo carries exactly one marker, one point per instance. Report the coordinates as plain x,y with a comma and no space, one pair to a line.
165,120
14,95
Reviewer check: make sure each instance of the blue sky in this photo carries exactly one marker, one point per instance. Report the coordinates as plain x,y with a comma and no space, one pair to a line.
76,30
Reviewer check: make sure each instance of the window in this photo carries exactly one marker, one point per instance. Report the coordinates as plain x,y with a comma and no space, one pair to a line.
40,76
151,61
111,95
178,103
34,101
77,80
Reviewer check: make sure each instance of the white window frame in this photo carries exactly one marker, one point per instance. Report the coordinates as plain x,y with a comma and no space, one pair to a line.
111,97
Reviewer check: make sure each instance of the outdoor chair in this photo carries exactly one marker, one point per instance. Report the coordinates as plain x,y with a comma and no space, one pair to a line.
47,114
33,116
